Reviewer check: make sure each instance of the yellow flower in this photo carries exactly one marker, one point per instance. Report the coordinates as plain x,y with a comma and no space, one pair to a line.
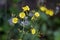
37,14
26,8
22,15
33,31
15,20
42,8
49,12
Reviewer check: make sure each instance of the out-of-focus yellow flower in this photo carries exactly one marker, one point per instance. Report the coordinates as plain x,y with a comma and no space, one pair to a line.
43,8
22,15
37,14
50,12
47,12
15,20
26,8
33,31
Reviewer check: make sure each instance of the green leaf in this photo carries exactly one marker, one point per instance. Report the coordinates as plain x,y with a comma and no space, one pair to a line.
57,35
27,36
44,28
43,16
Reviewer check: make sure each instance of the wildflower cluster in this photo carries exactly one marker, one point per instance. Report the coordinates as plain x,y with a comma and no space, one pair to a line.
27,17
23,17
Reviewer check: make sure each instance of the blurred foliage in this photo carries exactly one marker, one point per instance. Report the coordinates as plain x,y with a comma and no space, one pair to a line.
46,27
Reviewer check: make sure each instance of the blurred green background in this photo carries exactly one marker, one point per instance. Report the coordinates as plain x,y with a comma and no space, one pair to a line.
48,26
